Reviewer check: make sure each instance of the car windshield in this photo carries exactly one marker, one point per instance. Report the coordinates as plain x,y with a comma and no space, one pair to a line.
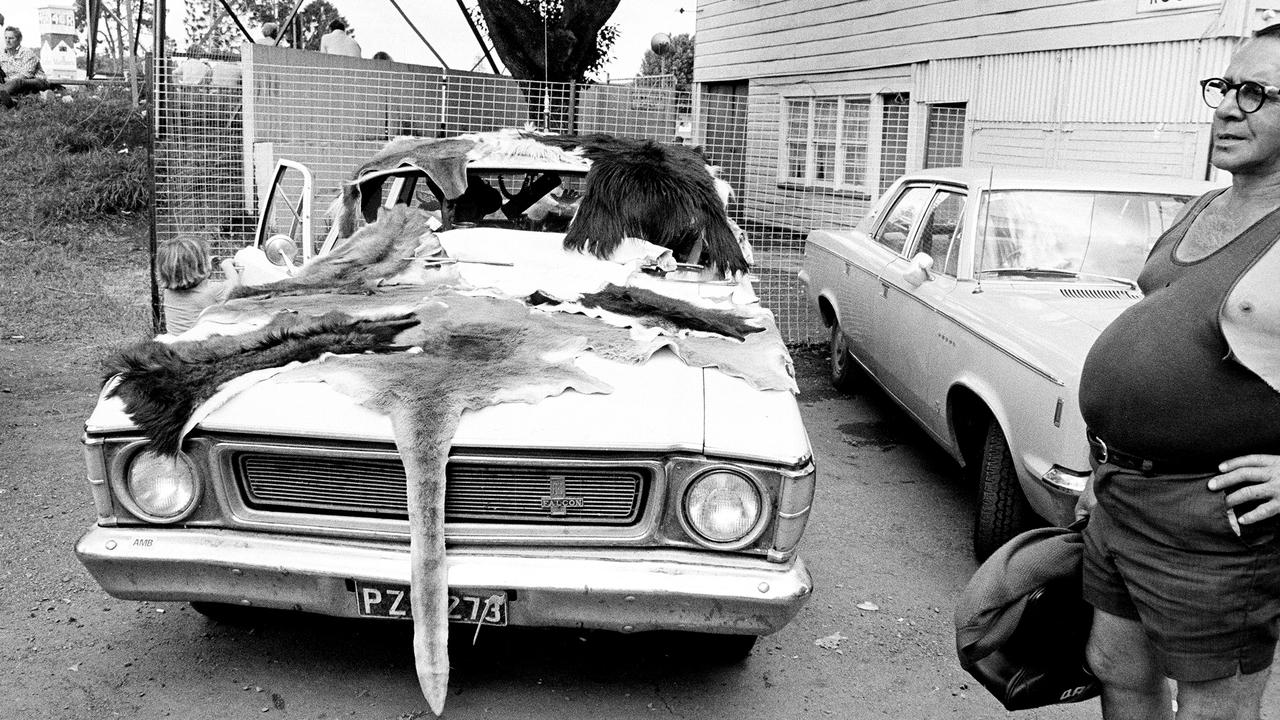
521,199
1056,234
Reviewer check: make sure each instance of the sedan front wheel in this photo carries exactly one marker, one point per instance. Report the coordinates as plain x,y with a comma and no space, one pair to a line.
1002,509
843,368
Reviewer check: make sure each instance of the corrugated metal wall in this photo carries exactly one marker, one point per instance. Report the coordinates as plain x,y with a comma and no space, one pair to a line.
1152,82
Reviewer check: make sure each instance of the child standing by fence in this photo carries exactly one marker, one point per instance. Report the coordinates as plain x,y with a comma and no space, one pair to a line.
183,266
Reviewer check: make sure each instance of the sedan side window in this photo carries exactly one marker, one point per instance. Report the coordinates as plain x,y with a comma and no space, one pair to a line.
897,224
940,231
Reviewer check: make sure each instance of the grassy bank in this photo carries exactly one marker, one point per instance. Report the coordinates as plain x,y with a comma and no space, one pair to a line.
73,242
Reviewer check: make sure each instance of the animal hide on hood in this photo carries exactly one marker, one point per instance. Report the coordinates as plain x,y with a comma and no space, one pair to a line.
162,384
661,311
660,193
470,352
377,252
476,352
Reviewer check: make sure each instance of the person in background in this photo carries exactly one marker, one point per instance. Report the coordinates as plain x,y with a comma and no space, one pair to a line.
271,31
183,267
20,69
1181,395
381,55
338,42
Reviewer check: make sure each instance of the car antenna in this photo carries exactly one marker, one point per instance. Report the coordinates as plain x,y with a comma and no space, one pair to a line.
986,223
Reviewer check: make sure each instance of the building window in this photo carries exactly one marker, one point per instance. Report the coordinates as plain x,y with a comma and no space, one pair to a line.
826,142
944,136
894,128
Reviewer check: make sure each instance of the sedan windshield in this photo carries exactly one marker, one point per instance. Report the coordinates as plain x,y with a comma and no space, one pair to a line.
1078,233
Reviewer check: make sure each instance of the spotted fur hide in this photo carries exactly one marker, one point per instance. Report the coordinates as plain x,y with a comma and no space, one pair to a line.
162,384
373,254
660,193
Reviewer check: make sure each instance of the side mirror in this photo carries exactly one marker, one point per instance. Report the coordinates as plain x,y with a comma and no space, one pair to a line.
281,250
918,273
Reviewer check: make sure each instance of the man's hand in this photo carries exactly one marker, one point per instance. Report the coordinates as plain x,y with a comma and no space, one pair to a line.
1260,476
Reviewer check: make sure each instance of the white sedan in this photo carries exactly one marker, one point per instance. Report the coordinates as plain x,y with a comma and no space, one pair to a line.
971,296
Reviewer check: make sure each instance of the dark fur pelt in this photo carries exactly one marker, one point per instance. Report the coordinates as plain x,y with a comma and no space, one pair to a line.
660,310
376,252
162,384
660,193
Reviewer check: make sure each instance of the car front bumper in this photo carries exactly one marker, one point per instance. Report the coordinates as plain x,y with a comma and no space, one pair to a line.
628,590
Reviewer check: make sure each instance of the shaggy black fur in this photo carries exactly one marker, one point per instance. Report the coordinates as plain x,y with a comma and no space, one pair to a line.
660,193
658,309
161,385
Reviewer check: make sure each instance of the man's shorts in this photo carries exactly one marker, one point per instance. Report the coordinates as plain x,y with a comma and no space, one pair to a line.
1161,550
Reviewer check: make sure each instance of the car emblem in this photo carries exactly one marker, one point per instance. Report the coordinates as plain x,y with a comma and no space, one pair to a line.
559,502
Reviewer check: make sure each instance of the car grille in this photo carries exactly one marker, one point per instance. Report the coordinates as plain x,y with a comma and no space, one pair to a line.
474,492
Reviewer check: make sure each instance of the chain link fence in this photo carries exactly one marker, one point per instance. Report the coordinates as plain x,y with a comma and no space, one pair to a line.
222,123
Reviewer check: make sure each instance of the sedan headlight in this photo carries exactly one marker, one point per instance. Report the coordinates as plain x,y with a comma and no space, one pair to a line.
723,507
161,488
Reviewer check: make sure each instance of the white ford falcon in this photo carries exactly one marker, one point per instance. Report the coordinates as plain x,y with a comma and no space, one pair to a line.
448,408
971,296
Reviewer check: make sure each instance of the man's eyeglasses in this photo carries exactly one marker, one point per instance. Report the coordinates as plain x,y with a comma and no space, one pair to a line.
1249,95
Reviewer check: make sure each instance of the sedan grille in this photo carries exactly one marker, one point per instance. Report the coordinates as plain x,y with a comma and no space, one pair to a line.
474,492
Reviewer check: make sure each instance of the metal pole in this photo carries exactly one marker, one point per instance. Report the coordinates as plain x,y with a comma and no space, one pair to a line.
288,23
476,31
157,107
92,23
413,27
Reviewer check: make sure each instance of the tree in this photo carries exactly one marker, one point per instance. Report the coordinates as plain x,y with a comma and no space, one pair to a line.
677,61
210,29
115,39
554,40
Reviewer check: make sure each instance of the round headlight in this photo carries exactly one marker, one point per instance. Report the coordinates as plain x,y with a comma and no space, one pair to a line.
162,487
722,507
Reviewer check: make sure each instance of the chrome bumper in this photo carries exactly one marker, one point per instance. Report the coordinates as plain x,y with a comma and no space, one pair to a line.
627,590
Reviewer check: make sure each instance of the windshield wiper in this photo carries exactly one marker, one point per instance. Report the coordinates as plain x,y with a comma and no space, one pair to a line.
1054,272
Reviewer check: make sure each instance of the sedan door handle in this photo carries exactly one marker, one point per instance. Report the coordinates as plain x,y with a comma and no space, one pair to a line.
884,289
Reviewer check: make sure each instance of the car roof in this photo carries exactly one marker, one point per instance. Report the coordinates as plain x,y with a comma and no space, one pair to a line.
497,161
1008,178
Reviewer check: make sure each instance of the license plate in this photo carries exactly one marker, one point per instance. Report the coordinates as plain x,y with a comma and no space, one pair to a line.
469,607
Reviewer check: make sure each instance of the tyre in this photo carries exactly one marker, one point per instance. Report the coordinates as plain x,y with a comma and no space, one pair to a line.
843,368
1001,510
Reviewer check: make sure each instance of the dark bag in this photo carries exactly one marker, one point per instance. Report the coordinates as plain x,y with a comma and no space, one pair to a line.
1022,625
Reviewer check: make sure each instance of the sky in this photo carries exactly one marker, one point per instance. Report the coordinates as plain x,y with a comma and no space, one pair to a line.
377,26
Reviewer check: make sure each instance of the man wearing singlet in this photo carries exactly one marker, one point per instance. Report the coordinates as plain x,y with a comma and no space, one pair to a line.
1181,395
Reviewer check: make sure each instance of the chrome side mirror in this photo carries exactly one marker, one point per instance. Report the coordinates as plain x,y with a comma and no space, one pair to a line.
280,250
918,273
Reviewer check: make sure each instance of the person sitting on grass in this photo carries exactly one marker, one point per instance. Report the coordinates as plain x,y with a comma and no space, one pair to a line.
183,266
20,71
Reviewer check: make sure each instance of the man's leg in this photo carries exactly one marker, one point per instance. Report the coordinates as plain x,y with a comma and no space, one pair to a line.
1122,657
1233,698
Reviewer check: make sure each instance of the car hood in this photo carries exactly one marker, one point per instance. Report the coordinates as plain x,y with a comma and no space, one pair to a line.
1050,325
664,404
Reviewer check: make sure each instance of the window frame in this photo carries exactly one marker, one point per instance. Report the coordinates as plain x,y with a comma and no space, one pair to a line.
837,141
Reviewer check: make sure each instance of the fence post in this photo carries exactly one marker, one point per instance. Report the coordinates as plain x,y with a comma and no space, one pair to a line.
573,108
